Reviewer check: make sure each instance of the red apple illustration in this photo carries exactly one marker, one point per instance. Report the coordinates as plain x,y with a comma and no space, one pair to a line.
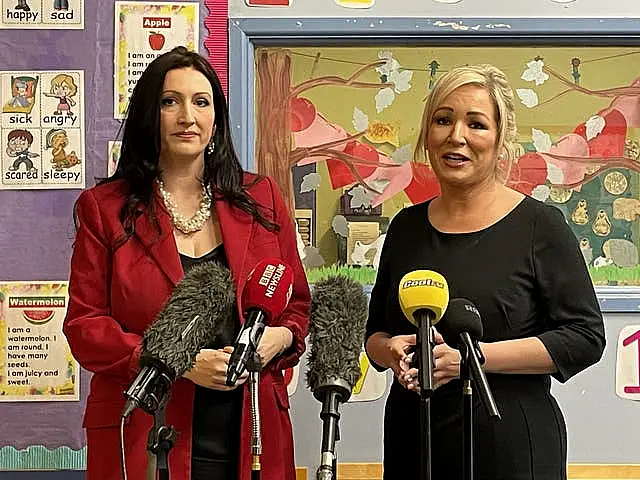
156,40
340,174
303,113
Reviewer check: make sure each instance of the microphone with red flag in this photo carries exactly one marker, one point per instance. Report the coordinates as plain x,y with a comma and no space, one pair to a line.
264,297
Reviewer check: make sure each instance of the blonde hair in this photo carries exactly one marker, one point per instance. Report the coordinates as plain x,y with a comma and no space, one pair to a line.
58,80
495,81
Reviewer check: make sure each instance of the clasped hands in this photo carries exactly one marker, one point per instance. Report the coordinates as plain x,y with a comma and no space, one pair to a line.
446,361
210,367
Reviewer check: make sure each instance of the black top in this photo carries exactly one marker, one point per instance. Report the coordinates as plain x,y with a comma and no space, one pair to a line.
526,275
216,414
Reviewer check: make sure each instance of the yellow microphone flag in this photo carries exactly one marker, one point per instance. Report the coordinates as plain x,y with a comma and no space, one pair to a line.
423,290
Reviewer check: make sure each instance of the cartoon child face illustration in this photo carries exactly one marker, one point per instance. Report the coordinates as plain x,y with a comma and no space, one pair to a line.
22,95
18,144
62,90
21,87
57,141
63,87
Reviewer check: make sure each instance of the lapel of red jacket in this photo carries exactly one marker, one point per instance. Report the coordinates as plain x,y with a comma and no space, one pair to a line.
161,246
236,226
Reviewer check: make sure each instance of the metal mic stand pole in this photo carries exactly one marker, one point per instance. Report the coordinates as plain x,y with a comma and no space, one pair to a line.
161,440
471,370
254,368
424,350
467,414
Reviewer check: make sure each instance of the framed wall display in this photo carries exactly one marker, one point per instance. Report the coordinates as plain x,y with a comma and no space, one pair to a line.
347,97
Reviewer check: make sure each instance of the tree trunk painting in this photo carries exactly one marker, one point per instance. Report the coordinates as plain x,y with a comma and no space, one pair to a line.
273,129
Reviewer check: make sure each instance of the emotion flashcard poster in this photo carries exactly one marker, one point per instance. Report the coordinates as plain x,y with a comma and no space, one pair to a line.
42,130
44,14
144,31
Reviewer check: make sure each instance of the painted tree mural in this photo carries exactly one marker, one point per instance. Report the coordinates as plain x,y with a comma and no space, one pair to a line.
590,171
285,114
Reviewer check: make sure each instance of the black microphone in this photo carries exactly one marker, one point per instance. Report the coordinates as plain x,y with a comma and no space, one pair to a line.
461,328
264,297
336,329
197,312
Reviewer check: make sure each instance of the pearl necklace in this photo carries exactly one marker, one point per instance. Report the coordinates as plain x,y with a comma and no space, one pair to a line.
187,225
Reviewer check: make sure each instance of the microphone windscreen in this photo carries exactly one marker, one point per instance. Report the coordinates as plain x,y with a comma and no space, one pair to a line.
461,316
336,332
423,290
268,288
199,309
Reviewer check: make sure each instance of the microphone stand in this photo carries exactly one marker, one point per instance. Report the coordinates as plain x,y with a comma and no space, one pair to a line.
331,394
467,415
161,440
470,369
254,367
424,350
161,437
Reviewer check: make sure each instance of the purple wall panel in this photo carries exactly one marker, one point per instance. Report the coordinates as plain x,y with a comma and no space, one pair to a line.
36,226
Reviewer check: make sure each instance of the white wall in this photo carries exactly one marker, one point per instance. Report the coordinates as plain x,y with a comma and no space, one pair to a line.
431,9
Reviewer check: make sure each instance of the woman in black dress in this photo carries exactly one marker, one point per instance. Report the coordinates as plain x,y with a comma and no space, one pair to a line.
517,260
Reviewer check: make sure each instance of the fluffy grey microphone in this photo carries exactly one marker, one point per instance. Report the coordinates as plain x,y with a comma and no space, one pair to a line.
336,330
198,310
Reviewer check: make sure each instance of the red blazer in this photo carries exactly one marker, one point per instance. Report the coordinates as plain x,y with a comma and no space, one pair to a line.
116,293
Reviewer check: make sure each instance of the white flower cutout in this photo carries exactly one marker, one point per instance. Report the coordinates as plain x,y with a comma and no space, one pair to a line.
554,174
541,192
528,97
390,65
542,141
401,80
360,120
384,98
379,184
310,182
392,74
595,125
534,72
360,197
340,225
401,155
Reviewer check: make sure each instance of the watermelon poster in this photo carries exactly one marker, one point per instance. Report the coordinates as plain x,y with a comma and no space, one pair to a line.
143,31
35,360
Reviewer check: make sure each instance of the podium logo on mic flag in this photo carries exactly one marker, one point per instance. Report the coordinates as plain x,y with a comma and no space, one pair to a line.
423,289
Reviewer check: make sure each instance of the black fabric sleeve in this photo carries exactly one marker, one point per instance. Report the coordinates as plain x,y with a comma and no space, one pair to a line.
377,320
575,336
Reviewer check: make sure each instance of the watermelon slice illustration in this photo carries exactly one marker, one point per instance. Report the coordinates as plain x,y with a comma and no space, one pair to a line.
38,317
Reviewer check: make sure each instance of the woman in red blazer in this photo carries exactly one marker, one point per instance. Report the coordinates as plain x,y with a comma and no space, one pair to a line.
137,232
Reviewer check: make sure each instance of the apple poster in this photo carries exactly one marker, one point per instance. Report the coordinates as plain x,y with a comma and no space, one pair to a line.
36,362
144,31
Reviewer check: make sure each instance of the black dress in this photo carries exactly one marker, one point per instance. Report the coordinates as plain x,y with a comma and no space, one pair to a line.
216,414
528,278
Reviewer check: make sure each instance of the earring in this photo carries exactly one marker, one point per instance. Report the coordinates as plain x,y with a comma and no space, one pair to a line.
211,147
